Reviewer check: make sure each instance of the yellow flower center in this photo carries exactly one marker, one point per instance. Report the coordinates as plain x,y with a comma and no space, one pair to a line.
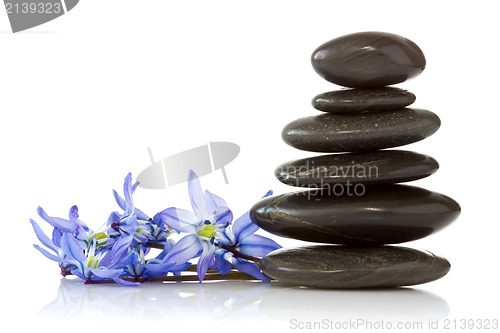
208,231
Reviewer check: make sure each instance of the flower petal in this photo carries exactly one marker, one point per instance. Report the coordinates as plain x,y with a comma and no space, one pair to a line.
258,246
268,193
126,283
120,248
129,224
123,205
198,200
223,266
113,274
74,218
141,215
113,217
56,222
169,244
127,191
158,221
250,268
158,269
132,259
119,200
106,273
46,241
214,201
180,220
56,237
224,237
206,257
72,248
186,249
51,256
179,268
244,227
222,216
79,274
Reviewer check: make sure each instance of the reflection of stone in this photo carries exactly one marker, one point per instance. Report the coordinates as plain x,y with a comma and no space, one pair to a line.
232,301
339,208
286,303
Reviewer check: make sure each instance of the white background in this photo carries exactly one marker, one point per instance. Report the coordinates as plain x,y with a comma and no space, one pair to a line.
83,96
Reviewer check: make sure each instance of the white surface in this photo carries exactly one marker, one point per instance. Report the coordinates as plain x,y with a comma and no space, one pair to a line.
83,96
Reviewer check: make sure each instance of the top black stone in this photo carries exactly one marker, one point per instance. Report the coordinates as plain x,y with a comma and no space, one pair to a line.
368,60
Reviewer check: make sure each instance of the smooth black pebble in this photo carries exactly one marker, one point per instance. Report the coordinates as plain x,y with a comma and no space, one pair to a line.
379,167
332,133
363,100
356,215
342,267
368,60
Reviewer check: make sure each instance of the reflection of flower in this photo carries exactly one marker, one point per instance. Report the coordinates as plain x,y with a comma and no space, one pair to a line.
221,301
118,250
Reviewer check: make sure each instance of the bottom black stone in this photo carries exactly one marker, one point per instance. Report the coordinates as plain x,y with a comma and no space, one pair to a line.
347,267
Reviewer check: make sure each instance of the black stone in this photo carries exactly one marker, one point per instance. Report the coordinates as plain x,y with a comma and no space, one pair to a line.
356,215
331,133
368,60
379,167
342,267
363,100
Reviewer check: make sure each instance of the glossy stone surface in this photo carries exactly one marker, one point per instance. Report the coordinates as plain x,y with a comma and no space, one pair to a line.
384,214
341,267
379,167
363,100
360,132
368,60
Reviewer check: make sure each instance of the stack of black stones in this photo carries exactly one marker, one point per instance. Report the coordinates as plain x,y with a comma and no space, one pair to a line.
353,201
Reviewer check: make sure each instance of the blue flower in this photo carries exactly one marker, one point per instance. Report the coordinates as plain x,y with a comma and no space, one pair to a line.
136,266
133,221
241,237
211,216
80,251
118,250
54,245
73,225
96,265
